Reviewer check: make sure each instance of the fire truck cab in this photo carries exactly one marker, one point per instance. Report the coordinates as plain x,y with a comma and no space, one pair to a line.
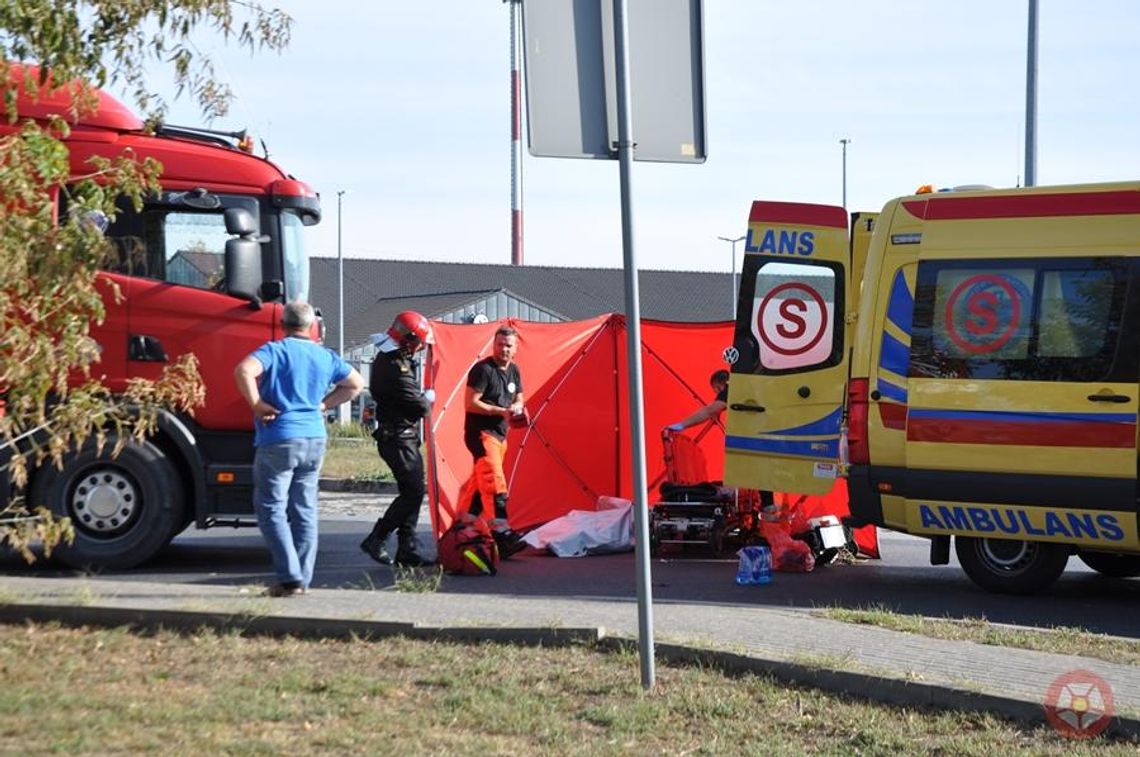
204,268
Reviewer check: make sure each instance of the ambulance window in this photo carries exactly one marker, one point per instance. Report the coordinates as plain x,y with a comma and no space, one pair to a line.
983,314
1075,310
791,319
1045,320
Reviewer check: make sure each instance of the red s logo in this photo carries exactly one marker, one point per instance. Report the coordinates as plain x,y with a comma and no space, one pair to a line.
800,325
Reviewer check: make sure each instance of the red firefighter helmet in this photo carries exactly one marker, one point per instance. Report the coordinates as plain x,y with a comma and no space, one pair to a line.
410,329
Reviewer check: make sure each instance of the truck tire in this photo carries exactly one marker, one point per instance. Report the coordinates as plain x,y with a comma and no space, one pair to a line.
1009,566
124,509
1113,566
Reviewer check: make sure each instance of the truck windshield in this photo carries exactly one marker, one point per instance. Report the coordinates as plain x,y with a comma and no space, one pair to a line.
296,257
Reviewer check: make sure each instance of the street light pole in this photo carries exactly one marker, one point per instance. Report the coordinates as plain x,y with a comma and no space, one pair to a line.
730,240
342,410
1031,99
845,141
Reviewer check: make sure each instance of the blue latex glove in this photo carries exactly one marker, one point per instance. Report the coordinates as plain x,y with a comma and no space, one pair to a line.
674,427
429,395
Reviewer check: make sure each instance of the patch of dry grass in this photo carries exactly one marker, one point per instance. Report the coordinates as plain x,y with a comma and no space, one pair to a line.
101,691
1060,640
354,459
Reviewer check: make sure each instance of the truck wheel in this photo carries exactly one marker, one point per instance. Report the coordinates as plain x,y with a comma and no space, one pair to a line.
1113,566
124,509
1009,566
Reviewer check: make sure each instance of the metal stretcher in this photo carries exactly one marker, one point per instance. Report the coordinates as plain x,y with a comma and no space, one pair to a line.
695,511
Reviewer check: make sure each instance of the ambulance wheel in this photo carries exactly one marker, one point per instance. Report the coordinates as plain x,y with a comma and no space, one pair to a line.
124,509
1008,566
1113,566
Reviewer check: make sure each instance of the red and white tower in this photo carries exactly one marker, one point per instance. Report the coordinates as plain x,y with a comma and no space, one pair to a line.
516,138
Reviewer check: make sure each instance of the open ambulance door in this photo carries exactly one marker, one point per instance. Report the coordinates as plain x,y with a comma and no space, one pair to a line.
786,395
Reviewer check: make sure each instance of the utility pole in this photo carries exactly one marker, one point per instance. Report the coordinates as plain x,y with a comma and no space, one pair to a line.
730,240
845,141
1031,99
342,410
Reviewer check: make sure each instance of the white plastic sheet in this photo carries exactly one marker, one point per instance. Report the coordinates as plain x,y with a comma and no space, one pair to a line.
585,532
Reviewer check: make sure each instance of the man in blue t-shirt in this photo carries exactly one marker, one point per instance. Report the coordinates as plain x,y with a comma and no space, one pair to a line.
286,384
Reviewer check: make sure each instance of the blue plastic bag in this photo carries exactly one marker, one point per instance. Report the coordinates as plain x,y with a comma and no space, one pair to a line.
755,566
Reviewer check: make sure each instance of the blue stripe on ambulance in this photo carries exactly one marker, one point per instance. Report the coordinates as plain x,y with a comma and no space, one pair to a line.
825,426
1005,415
894,355
901,305
825,450
892,391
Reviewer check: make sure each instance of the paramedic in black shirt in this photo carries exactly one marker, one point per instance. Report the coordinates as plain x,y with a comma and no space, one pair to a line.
400,405
494,401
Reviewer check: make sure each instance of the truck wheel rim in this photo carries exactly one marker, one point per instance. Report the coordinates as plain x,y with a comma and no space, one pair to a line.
1007,556
104,501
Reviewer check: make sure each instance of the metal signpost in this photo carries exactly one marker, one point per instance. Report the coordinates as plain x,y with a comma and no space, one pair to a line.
594,68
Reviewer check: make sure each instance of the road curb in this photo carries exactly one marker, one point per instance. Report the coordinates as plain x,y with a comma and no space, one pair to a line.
352,485
868,686
291,625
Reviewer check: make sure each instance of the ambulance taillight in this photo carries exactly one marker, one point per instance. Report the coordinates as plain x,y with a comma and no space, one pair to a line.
857,408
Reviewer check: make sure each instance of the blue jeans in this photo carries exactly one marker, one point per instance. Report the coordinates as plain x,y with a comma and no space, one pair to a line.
285,497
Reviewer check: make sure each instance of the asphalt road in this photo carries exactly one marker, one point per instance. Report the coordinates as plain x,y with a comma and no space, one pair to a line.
902,581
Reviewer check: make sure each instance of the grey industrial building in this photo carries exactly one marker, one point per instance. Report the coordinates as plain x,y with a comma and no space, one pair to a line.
376,290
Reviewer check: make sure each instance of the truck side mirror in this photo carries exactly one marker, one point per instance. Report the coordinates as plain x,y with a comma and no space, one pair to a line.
243,269
239,221
243,256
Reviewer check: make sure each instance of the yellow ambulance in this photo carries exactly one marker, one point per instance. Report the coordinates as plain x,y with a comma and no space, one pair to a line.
969,360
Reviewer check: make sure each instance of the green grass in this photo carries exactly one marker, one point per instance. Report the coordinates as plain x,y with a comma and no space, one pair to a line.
354,458
86,691
1060,640
350,430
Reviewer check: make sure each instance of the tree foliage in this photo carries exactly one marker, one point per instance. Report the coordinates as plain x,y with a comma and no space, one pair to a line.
50,396
109,42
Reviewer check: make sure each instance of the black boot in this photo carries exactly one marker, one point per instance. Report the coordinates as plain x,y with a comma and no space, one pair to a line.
373,546
408,556
407,553
507,540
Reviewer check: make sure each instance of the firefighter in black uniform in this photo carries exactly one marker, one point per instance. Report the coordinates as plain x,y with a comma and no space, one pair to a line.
400,405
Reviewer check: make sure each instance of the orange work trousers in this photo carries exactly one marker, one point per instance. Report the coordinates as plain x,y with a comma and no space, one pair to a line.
487,479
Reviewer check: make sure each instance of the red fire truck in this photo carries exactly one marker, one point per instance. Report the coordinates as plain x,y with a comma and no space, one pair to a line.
204,268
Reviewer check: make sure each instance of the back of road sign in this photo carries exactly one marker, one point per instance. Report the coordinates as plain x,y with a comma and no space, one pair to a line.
571,84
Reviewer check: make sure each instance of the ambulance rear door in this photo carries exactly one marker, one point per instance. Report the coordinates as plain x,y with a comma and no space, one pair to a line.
786,394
